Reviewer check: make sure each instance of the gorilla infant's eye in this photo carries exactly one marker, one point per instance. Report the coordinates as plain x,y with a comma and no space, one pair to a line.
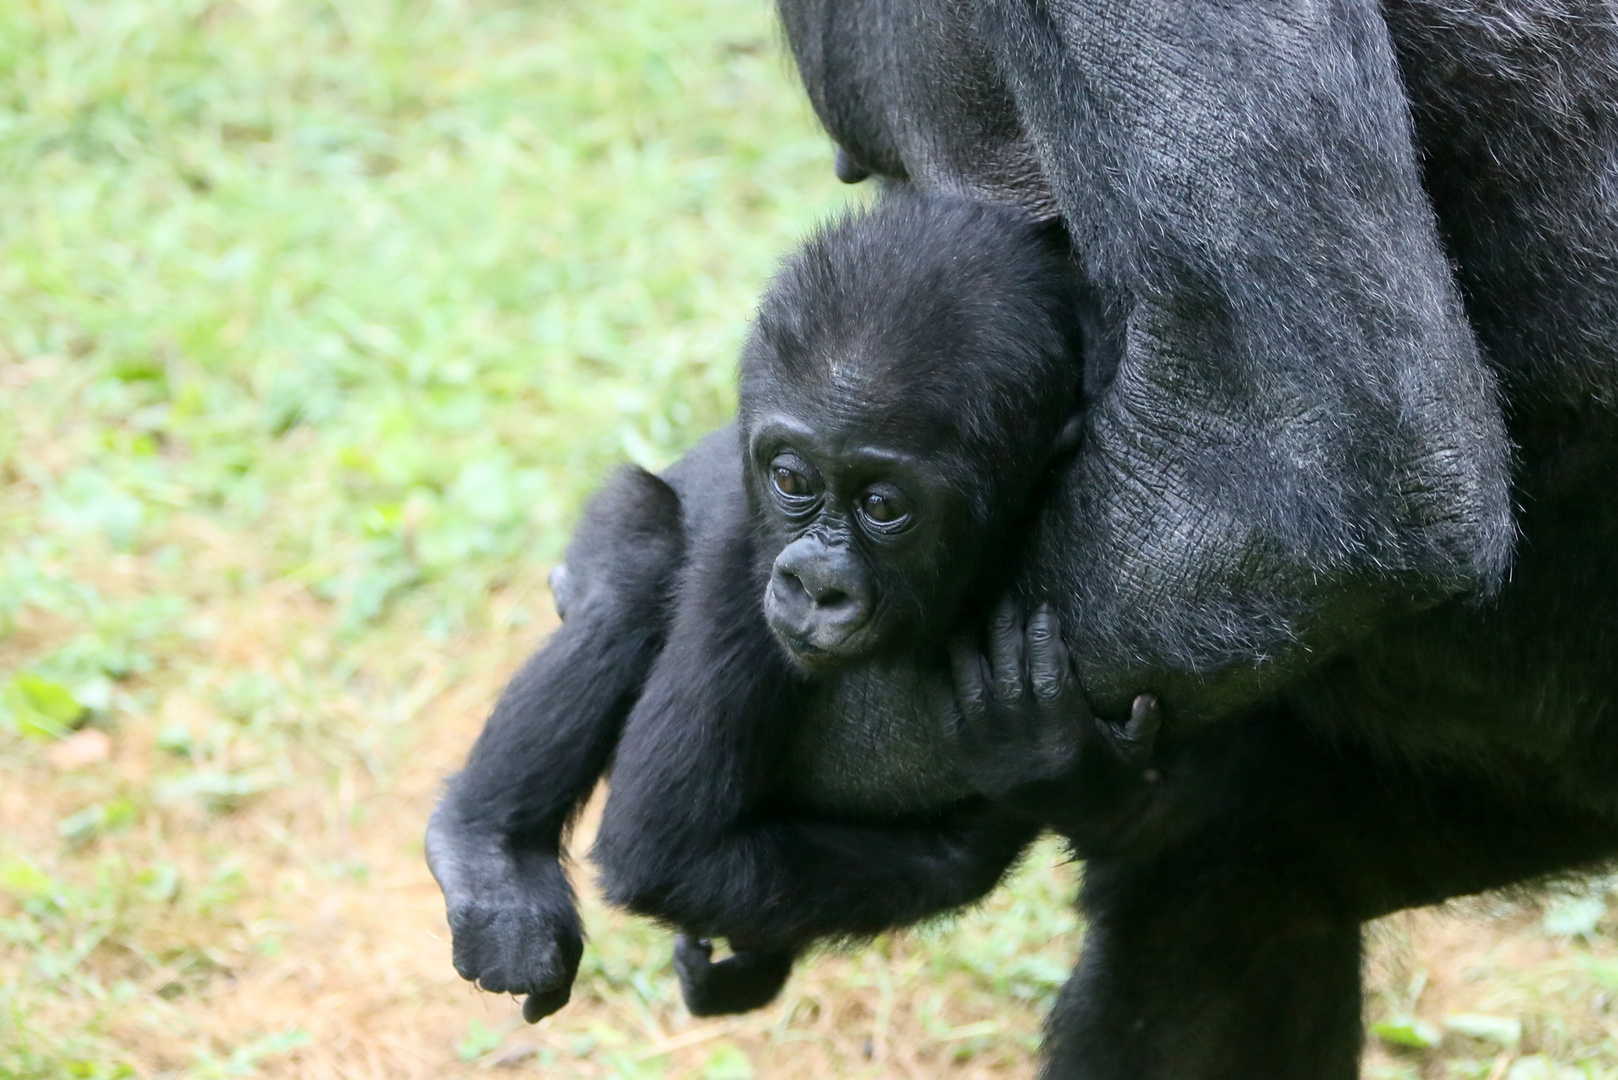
788,482
884,508
792,479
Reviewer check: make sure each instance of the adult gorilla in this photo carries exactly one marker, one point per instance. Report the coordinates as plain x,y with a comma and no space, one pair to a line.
1351,251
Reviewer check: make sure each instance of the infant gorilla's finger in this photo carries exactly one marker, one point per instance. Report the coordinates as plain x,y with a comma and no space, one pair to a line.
1006,652
468,935
691,954
1049,672
1134,739
971,680
1145,717
536,1007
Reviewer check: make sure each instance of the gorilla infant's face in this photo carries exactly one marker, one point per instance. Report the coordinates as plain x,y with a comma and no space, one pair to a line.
866,537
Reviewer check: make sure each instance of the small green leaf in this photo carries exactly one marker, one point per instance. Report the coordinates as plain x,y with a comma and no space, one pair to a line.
95,820
159,882
42,709
1408,1032
1532,1067
23,879
729,1062
217,790
1575,916
479,1041
175,739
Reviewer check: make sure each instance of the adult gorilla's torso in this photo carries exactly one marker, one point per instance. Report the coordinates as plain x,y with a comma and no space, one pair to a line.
1517,122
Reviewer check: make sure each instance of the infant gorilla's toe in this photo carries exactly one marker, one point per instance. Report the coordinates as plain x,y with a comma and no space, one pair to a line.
747,980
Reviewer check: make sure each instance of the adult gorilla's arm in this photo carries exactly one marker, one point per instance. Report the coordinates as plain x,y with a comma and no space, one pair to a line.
1299,437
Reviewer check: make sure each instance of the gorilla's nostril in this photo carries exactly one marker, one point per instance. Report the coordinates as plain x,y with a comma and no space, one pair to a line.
832,597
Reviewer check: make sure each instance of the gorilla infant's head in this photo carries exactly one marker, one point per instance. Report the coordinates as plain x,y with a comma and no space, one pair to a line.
912,374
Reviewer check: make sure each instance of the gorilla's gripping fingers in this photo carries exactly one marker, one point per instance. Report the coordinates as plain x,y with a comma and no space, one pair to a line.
1026,735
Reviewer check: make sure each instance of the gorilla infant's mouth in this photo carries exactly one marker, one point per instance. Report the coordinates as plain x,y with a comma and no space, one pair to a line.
823,656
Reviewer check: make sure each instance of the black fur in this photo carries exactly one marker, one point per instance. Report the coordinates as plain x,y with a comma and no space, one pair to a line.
1348,255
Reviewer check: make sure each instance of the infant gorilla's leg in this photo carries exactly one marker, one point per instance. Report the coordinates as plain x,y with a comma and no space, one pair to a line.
494,842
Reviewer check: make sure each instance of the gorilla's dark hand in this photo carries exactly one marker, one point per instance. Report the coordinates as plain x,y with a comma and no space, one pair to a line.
511,916
1023,719
1027,738
748,979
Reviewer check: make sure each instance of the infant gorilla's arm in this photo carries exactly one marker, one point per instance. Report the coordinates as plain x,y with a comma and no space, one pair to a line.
494,841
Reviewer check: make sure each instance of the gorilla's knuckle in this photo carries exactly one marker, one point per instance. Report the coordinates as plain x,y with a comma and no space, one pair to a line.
1009,691
468,965
1041,637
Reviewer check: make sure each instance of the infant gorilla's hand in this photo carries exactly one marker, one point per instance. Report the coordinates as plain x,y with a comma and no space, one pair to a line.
1026,736
509,943
749,979
511,917
1023,718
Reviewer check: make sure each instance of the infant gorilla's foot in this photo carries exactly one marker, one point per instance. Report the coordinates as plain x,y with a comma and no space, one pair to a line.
747,980
1027,738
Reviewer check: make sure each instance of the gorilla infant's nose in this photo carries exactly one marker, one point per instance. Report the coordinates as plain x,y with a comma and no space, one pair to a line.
818,595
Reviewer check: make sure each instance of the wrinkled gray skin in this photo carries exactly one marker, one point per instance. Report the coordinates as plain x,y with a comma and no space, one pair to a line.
1351,254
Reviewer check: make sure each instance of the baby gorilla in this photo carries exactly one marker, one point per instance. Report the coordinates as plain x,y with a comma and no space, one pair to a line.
912,375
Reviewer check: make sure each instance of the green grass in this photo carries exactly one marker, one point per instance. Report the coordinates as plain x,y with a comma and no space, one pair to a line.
317,322
391,283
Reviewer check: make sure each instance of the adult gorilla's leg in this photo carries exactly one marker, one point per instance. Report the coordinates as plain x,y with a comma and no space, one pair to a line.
1222,981
1233,951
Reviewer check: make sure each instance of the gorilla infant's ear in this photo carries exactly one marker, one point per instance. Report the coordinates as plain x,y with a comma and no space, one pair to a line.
847,169
1072,433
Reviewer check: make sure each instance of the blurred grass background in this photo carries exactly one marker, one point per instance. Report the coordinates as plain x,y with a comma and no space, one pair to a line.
318,318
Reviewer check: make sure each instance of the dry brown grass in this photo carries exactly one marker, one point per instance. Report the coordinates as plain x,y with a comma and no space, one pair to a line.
339,931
